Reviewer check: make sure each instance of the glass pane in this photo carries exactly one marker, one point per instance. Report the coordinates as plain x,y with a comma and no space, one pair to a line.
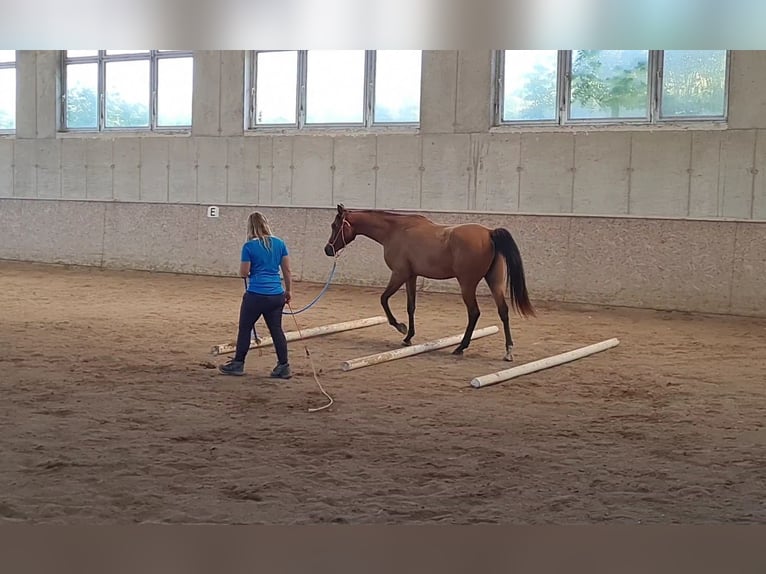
81,53
127,94
335,86
8,99
174,91
529,83
276,85
7,56
82,96
118,52
610,84
397,86
693,83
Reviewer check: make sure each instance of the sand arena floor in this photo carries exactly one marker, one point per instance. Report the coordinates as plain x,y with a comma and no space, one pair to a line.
111,414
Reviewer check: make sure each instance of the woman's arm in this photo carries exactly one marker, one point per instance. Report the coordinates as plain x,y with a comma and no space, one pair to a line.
244,261
287,275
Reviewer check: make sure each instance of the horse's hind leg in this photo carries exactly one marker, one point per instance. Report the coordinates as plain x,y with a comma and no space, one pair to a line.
411,292
468,290
394,284
496,281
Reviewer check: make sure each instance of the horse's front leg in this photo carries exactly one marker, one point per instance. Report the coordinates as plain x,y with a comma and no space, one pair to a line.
412,283
396,281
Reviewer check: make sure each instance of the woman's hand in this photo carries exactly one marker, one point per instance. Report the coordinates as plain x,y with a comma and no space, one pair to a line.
288,277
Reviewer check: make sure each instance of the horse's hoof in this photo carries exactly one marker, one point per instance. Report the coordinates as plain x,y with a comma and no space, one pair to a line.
402,328
508,358
457,352
406,343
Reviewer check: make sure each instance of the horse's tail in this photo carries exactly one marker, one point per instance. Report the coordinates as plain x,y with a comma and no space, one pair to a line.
506,246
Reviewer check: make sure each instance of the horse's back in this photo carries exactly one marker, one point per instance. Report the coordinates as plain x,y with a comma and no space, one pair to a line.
464,240
473,235
423,247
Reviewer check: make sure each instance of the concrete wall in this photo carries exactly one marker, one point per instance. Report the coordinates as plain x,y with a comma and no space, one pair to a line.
455,162
705,266
677,174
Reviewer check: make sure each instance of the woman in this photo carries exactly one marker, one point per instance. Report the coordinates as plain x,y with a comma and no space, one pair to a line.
263,255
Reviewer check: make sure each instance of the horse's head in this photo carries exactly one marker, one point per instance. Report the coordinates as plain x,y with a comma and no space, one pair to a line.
341,232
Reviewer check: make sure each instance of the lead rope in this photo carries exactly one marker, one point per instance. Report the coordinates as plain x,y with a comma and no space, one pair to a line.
300,334
298,327
318,297
313,368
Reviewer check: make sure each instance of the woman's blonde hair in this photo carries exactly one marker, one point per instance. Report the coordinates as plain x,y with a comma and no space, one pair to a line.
258,227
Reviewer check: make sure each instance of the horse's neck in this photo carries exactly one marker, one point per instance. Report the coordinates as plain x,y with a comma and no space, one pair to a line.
376,227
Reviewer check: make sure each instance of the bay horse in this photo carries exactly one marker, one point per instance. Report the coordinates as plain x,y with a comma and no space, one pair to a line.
413,246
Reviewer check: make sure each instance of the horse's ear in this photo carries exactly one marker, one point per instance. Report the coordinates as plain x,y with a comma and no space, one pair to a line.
341,208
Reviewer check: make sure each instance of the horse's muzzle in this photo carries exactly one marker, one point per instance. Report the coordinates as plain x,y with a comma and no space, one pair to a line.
328,250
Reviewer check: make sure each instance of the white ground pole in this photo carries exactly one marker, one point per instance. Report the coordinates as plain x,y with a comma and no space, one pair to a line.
414,349
307,333
540,364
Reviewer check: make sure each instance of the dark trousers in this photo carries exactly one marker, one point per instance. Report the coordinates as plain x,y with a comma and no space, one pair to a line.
253,306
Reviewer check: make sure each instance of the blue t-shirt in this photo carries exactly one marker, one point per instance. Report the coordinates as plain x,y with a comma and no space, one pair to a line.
264,277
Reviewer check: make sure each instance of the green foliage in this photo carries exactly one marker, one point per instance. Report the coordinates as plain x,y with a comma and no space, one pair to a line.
82,110
694,84
615,90
539,99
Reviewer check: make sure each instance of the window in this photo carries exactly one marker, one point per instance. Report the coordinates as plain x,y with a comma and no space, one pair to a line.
127,89
355,88
7,90
610,86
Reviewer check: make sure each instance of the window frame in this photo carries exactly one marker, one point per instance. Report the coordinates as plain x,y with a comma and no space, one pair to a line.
102,58
12,66
563,118
368,101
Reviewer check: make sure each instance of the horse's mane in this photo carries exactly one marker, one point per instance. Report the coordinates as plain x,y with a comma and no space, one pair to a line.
388,213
